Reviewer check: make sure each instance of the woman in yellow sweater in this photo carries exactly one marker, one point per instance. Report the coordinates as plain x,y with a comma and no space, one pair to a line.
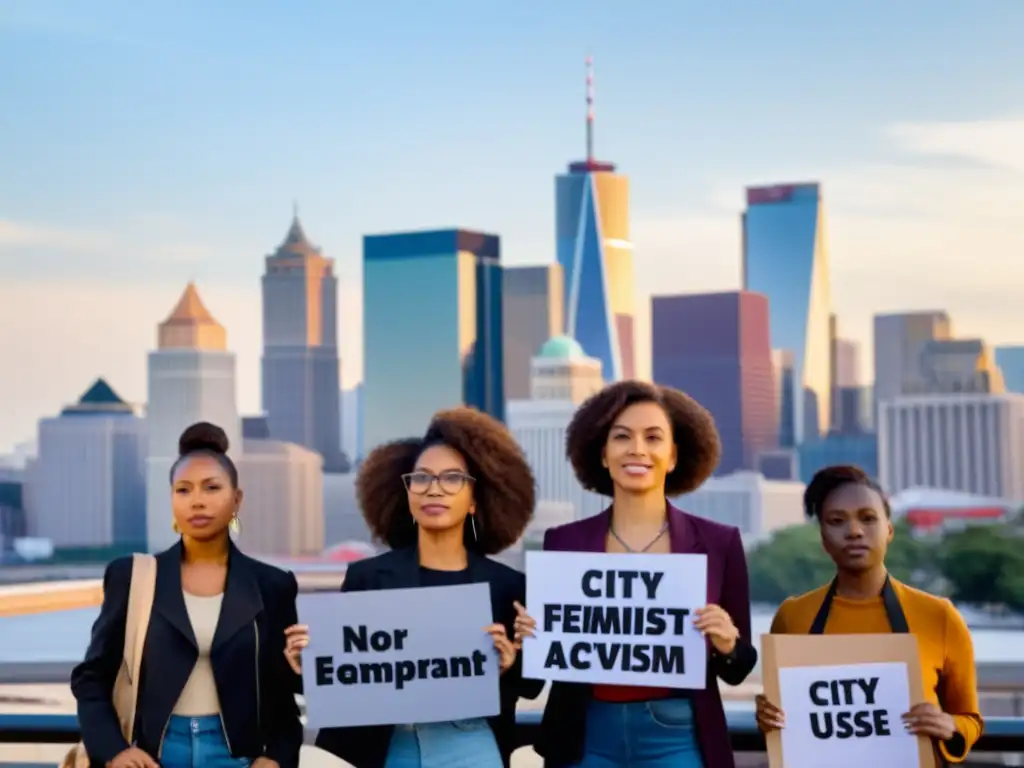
856,529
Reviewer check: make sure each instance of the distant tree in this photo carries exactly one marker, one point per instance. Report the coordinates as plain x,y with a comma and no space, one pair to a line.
793,562
984,565
912,559
790,563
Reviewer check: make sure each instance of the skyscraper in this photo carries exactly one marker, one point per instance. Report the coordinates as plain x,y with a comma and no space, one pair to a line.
88,483
533,312
1011,360
432,329
191,378
301,370
784,376
593,246
785,257
561,377
900,339
715,347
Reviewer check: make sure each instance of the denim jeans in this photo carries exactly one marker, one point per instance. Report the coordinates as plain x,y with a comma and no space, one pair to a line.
197,742
459,744
644,734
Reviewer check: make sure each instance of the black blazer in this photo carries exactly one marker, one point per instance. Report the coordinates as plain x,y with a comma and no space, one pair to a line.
367,746
254,682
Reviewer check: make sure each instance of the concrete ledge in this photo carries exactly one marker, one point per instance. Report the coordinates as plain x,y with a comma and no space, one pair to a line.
22,599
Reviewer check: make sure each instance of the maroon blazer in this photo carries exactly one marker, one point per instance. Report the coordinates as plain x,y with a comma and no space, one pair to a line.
562,730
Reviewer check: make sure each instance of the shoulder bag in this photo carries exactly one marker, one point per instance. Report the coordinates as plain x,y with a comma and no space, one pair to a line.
126,686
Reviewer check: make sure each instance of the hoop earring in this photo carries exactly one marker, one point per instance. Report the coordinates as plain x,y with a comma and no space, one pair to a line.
472,524
235,525
175,528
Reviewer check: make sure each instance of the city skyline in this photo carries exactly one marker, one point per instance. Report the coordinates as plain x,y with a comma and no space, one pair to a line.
921,167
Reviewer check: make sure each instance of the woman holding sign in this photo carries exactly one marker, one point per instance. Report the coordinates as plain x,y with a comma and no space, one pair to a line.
443,503
641,443
856,528
212,688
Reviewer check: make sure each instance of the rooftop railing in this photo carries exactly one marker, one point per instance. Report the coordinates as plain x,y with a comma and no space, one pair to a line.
1003,735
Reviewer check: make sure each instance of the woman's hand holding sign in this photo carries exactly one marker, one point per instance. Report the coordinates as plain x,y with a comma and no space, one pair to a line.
926,719
524,624
717,626
296,637
507,650
769,717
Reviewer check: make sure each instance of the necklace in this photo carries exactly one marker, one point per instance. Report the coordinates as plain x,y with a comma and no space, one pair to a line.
651,543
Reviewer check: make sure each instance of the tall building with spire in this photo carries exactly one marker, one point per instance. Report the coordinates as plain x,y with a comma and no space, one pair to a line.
191,378
301,369
596,254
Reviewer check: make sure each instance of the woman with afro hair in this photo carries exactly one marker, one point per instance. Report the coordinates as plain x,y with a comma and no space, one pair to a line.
443,503
641,443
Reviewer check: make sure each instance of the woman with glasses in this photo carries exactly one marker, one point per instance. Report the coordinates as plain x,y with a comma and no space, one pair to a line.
856,529
442,503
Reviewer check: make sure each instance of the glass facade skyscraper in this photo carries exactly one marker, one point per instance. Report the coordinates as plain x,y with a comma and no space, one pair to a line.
432,329
1011,360
596,254
785,257
715,347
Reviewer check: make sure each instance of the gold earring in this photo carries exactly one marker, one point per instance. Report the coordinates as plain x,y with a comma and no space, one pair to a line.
235,525
175,528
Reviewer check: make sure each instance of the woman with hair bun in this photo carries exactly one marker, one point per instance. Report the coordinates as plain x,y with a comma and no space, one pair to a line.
641,443
443,502
215,689
856,529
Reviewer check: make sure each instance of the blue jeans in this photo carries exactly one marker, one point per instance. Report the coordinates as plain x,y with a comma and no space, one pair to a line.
643,734
198,742
459,744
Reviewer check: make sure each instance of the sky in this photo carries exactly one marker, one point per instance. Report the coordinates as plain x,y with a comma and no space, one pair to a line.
143,145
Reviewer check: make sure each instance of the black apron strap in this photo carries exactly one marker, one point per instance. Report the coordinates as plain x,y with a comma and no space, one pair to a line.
893,609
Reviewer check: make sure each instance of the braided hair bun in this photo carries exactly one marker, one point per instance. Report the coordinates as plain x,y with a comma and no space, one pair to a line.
203,436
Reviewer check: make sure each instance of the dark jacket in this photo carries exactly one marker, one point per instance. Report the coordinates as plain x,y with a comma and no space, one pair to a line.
367,746
254,682
562,730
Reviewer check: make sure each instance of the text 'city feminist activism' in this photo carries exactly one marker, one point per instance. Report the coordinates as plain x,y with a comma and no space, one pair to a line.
619,619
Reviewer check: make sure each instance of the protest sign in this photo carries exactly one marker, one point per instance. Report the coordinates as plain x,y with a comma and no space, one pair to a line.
617,619
399,656
843,697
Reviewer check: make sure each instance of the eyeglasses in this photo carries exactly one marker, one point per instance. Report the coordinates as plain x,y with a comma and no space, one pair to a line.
450,483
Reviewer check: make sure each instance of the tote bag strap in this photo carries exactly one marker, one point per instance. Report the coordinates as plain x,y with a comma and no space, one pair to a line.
140,607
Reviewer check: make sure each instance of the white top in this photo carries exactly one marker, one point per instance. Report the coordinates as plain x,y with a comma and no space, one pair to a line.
199,696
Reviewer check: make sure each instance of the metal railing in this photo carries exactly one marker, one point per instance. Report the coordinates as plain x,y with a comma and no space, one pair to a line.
1002,734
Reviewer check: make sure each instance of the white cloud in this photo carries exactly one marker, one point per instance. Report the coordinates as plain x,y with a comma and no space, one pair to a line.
57,337
143,243
914,235
21,235
997,143
909,236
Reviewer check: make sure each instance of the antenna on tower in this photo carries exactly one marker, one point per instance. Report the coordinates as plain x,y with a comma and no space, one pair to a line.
590,109
295,210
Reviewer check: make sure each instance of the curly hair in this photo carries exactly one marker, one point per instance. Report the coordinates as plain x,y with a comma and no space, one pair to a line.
693,431
504,487
828,479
